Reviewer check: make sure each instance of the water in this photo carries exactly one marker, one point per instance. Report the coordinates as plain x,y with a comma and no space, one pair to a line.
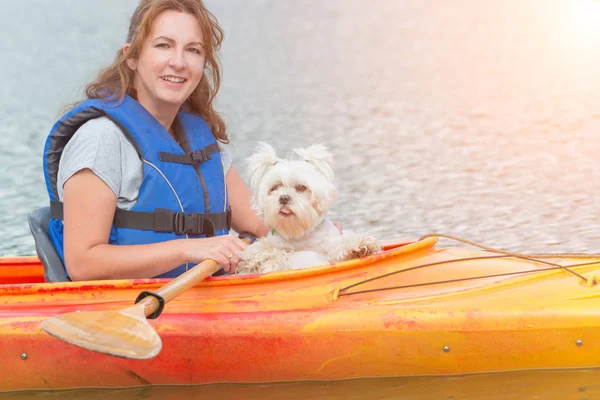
475,118
547,385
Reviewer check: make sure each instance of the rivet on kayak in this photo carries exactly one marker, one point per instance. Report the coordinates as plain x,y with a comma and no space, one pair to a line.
579,342
23,356
446,349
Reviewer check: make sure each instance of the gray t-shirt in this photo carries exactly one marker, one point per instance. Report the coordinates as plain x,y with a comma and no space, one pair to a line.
100,146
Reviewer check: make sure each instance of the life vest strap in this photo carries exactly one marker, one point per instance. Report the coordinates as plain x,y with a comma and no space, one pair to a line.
196,157
164,220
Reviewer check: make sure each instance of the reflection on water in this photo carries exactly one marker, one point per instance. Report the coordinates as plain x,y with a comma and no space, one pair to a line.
548,385
476,118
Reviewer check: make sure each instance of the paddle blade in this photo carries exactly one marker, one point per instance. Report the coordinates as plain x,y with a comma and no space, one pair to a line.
122,333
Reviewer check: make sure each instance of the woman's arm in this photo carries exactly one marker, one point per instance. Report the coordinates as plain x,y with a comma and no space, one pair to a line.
244,218
89,206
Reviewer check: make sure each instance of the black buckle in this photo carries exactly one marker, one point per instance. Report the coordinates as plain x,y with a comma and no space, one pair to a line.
199,156
188,223
161,302
181,223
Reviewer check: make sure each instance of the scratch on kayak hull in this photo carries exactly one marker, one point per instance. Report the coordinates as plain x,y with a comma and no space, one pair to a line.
137,377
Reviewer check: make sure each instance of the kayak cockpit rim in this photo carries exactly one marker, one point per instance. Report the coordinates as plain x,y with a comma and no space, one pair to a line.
392,250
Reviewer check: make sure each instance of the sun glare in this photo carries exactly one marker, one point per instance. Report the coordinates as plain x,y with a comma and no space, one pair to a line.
576,27
585,16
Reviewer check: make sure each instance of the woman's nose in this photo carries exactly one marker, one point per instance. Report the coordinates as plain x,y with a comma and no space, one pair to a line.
177,59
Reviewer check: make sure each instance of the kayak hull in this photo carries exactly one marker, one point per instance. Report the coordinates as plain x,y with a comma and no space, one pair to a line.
304,325
547,385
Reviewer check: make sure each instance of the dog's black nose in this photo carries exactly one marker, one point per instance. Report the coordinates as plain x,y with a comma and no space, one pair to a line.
283,200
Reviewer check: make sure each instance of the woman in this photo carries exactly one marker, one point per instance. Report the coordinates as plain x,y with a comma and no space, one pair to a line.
142,163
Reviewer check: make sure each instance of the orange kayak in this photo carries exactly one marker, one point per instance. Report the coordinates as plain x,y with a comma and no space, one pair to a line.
413,310
546,385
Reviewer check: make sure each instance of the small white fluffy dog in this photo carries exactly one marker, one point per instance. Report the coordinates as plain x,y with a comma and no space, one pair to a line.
292,197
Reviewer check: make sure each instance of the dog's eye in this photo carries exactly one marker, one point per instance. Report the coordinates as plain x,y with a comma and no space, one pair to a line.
300,188
274,188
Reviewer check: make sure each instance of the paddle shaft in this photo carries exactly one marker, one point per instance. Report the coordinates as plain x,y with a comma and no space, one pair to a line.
180,284
126,333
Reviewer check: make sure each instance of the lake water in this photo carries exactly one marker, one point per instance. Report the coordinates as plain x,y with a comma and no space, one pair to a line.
547,385
477,118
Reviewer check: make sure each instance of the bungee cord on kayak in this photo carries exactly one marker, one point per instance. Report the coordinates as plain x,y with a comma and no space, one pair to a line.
491,249
503,254
529,257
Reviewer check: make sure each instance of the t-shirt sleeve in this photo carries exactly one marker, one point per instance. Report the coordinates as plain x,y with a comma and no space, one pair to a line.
96,146
226,156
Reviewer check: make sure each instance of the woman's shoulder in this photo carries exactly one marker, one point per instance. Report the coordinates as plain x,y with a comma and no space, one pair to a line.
100,146
100,132
103,137
99,126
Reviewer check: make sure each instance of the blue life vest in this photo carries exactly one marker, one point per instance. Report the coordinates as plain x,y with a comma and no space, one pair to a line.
182,194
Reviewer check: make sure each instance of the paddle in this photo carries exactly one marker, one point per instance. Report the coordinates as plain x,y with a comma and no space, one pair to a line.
125,333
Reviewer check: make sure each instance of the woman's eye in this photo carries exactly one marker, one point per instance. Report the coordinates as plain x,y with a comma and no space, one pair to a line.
300,188
194,50
163,45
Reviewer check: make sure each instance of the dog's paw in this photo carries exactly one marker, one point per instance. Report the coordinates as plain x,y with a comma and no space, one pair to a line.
247,267
365,249
264,264
262,257
356,246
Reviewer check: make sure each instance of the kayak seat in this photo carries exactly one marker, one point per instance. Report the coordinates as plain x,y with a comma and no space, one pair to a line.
54,270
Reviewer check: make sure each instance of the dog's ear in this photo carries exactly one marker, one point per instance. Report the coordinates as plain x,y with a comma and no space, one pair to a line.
319,156
264,157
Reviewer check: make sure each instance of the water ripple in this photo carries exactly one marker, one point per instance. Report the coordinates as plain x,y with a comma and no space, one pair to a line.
466,118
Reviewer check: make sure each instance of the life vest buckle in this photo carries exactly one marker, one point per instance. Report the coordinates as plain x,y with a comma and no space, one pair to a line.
201,155
193,224
190,223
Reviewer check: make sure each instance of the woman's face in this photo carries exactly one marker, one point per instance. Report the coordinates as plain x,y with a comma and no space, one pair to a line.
171,62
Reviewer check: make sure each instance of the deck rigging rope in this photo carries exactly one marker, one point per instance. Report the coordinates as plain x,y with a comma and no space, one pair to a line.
502,254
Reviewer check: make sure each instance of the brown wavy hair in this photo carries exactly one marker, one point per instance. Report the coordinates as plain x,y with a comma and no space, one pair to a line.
115,81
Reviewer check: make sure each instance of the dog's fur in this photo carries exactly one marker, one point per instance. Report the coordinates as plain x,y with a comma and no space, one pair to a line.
292,197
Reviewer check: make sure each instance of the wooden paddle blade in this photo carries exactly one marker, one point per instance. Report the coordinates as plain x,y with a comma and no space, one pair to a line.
122,333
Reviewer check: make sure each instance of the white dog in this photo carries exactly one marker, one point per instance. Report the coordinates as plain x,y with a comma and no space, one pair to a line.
292,197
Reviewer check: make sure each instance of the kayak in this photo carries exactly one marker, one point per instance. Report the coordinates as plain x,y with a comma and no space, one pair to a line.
546,385
415,309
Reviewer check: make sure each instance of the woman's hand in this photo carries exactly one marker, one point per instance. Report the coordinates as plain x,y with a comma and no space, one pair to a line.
223,249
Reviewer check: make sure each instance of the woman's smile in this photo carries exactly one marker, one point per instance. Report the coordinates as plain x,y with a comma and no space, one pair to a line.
172,82
173,79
